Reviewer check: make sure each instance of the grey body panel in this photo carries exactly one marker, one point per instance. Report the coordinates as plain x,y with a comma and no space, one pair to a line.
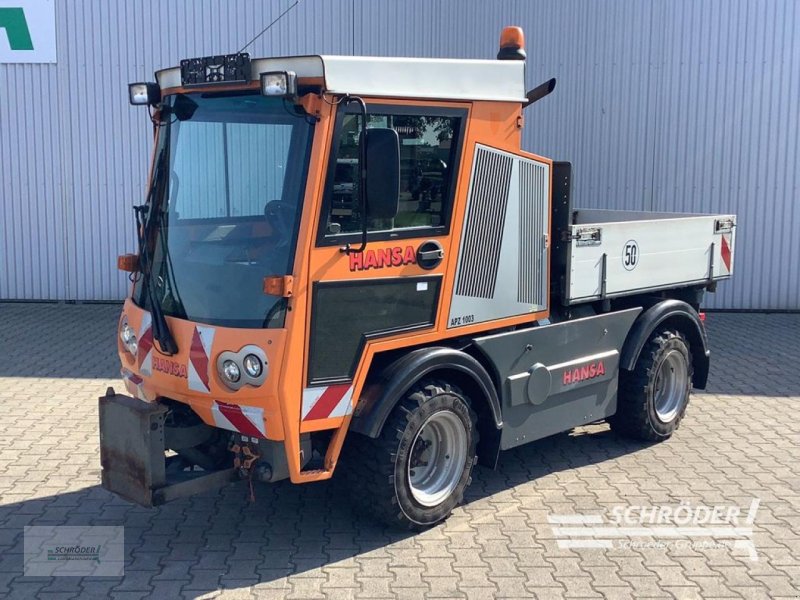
502,256
555,377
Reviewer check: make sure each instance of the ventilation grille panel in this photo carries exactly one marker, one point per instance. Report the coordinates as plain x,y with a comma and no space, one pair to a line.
533,207
485,219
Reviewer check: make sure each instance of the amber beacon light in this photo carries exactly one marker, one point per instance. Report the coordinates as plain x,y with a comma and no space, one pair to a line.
512,44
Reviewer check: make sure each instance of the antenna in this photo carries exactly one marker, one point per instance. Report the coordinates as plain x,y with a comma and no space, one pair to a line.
263,31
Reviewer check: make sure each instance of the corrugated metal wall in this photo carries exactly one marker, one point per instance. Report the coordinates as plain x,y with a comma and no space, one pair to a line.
677,105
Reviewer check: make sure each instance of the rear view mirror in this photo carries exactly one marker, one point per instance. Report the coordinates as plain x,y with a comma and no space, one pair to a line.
183,108
383,173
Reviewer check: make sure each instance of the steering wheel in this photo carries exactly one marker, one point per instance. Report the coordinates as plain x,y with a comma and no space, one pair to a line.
280,216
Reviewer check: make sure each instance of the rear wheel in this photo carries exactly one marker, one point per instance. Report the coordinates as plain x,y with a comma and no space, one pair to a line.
653,397
416,471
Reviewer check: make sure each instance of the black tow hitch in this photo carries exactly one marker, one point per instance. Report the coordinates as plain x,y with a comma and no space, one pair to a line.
132,454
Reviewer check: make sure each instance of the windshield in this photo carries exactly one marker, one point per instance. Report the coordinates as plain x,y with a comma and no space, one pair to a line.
228,183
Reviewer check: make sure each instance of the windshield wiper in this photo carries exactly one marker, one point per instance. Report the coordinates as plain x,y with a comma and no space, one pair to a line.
148,218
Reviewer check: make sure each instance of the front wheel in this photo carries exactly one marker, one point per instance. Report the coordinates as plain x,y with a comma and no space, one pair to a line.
653,396
417,470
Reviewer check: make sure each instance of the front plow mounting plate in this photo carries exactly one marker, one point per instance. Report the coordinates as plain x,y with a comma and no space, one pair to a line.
132,454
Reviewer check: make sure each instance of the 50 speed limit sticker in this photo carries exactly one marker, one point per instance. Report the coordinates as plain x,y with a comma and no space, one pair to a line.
630,255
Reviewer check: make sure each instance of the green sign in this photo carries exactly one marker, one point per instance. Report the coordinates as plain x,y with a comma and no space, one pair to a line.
13,21
28,31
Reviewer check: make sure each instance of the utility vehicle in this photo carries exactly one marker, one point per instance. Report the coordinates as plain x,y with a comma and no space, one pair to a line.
349,264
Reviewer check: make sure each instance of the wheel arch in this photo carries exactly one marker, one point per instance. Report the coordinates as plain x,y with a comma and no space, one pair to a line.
674,314
390,379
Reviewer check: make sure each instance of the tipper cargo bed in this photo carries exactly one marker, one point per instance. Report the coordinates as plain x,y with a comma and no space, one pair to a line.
614,253
602,254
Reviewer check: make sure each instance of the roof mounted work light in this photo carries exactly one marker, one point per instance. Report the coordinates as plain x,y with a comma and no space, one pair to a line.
144,93
279,83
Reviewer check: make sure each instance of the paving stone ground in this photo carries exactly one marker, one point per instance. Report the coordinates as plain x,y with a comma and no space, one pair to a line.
739,441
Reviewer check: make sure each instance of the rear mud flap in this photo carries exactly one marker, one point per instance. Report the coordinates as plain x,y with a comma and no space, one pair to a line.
133,459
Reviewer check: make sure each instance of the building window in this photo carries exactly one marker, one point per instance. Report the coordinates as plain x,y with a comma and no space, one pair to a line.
428,161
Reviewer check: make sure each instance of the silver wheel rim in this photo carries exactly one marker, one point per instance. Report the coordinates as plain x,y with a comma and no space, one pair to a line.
669,390
437,458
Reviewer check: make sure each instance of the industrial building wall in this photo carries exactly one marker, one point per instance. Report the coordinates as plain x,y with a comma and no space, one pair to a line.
669,105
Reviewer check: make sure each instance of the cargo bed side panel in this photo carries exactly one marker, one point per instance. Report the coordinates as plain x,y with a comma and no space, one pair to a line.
609,259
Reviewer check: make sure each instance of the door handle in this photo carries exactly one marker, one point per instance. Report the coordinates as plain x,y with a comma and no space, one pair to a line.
430,254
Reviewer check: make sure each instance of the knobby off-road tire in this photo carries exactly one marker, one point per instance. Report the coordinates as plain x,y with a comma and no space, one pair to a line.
653,396
417,470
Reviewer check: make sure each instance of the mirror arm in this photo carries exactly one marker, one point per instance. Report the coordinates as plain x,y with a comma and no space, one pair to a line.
362,175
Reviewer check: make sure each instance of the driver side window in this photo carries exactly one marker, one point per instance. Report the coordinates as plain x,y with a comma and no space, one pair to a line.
429,151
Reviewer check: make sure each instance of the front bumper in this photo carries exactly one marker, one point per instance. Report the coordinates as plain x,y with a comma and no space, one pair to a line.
132,454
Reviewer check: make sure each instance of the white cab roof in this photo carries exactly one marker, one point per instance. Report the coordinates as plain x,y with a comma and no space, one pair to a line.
432,78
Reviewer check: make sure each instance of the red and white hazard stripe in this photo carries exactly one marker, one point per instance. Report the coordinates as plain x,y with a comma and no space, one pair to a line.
327,402
199,353
135,386
725,252
248,420
144,352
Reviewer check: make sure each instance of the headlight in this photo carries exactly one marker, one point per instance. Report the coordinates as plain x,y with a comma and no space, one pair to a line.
279,83
252,365
247,366
144,93
231,371
128,338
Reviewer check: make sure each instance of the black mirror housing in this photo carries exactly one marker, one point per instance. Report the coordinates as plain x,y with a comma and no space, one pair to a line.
383,172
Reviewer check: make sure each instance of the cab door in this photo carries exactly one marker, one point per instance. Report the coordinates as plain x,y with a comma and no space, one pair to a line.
393,287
